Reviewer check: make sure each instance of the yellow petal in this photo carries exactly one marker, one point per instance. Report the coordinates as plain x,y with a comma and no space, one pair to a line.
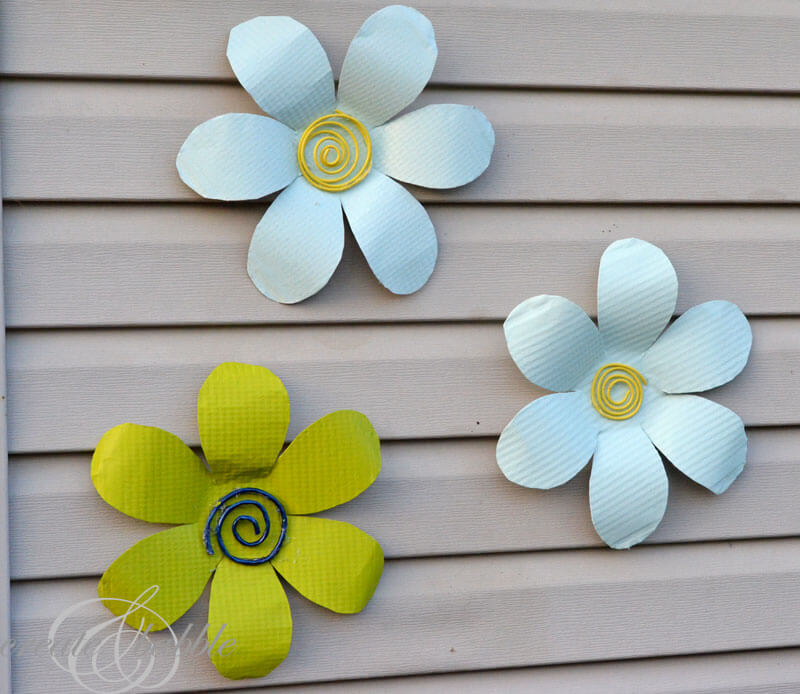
175,561
150,474
242,414
331,461
249,622
333,564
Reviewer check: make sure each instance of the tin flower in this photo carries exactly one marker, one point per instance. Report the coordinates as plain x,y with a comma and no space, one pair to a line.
333,152
243,518
621,392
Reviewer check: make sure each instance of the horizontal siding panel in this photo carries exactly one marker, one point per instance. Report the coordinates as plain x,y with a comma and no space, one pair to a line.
118,141
688,44
463,613
753,672
415,381
99,264
454,487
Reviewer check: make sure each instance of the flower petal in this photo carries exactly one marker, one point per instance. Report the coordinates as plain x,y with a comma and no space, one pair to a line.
628,487
238,156
331,563
175,561
387,65
243,415
548,442
248,605
150,474
552,341
330,462
439,146
297,244
284,68
703,439
637,289
394,232
705,348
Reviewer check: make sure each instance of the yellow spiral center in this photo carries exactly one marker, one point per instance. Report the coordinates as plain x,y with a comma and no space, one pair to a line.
335,152
628,383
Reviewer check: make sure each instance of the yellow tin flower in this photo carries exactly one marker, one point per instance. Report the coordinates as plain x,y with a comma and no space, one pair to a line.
242,518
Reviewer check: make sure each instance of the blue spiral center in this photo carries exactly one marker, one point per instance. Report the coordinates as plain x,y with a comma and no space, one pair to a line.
256,517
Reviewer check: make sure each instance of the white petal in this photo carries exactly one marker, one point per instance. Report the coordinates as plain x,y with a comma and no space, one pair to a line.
238,156
387,65
704,440
548,442
637,289
628,487
394,232
706,347
285,69
552,341
297,244
440,146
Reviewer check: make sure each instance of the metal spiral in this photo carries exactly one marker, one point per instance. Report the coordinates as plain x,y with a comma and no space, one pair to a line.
261,526
604,381
330,152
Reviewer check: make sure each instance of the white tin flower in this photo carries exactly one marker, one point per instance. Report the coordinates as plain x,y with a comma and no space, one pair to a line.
621,392
332,152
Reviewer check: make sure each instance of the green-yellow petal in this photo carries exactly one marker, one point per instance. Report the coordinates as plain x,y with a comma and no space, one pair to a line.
150,474
249,622
175,561
331,461
243,415
331,563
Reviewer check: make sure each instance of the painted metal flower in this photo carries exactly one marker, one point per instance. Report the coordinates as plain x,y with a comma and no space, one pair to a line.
333,152
242,518
621,392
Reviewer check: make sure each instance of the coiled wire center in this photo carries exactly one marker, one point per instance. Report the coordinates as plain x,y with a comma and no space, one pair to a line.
335,152
632,386
246,510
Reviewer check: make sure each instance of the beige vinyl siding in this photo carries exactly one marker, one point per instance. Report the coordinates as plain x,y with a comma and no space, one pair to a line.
442,614
161,264
677,122
5,566
703,45
99,140
432,498
757,672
